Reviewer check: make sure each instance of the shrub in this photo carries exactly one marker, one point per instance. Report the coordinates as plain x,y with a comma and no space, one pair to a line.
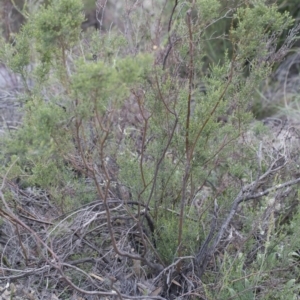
150,154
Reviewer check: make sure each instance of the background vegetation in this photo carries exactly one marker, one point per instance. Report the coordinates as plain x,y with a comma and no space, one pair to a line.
136,166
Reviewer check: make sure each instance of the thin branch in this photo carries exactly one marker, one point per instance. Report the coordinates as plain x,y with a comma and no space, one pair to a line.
191,72
272,189
22,273
214,108
169,35
174,264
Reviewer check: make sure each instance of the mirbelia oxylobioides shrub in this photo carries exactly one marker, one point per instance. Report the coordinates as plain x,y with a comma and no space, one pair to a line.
157,180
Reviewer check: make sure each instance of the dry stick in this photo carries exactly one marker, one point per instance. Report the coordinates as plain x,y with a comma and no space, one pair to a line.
12,218
3,213
88,275
100,6
22,272
55,264
113,294
171,266
36,220
78,289
23,11
272,189
22,246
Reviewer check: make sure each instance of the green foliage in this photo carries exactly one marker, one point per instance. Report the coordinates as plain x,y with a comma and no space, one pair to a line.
207,10
18,57
167,233
58,25
254,25
99,84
